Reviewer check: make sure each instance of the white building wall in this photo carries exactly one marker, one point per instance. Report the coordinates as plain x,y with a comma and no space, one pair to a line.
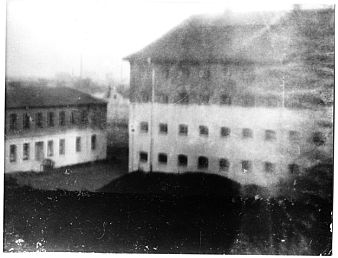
281,152
71,157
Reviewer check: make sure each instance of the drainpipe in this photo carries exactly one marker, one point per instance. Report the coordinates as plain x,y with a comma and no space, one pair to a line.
151,113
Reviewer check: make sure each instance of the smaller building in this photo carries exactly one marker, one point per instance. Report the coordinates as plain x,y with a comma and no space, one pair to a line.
118,106
58,124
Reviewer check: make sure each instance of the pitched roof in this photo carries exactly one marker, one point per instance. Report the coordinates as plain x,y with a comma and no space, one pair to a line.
218,39
256,38
42,96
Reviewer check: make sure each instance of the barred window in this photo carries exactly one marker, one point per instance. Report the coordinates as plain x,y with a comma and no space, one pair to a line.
246,166
225,131
12,153
247,133
163,128
203,162
182,160
162,158
224,165
144,127
143,156
270,135
183,129
204,131
26,149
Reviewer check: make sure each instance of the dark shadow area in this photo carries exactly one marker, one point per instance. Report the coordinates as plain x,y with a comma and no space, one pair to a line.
174,213
199,218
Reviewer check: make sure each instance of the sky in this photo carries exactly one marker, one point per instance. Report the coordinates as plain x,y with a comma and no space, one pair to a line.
49,37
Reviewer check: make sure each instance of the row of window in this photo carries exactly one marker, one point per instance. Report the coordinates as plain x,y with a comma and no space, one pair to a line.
223,164
39,149
270,135
39,120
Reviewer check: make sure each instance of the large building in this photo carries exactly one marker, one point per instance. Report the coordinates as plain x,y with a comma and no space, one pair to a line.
58,124
236,96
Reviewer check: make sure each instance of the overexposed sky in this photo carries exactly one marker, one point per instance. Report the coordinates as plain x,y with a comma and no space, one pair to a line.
46,37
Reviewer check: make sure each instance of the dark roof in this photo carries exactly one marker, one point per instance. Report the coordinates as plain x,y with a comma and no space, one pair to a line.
43,96
257,38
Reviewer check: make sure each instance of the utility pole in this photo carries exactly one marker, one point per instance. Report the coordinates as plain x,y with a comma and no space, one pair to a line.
151,113
81,66
283,96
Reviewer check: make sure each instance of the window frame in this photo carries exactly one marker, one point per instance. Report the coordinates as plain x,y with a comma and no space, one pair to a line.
143,157
78,144
202,162
13,121
203,130
182,160
93,141
225,132
50,148
270,135
144,127
247,133
163,126
183,132
62,147
13,153
50,119
222,167
26,151
162,161
248,164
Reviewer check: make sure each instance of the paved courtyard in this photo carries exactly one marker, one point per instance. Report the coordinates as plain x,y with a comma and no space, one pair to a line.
85,177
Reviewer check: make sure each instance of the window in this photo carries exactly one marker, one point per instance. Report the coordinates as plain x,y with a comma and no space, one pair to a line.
62,118
225,131
163,128
183,98
294,136
318,138
204,99
73,117
183,129
162,158
26,121
143,156
293,169
270,135
84,117
25,155
246,166
182,160
204,130
13,122
269,167
93,140
62,146
145,97
224,165
50,148
50,119
78,144
225,99
247,133
203,162
248,101
144,127
39,151
12,153
38,120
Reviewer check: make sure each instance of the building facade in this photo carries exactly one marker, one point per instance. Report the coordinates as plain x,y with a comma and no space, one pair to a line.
224,98
62,125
